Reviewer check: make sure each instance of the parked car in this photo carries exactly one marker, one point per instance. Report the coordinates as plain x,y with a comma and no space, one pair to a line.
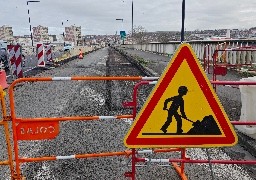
4,59
67,47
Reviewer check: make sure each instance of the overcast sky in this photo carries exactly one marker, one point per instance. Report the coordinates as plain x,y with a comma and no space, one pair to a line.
99,16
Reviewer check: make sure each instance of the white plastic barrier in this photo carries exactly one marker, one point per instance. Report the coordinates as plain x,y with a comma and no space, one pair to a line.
239,61
170,48
243,54
144,47
201,52
233,60
254,57
249,57
229,57
248,98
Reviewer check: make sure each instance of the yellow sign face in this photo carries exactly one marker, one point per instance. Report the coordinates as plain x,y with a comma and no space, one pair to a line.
182,110
195,104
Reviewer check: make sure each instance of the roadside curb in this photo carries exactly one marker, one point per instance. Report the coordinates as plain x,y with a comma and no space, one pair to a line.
131,59
247,142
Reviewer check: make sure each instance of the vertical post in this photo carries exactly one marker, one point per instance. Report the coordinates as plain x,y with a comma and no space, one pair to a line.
225,52
133,164
213,72
123,29
15,140
122,25
183,157
132,22
63,34
208,58
7,134
62,23
183,19
204,58
30,28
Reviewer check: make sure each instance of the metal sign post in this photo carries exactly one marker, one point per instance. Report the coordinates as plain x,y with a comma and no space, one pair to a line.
183,19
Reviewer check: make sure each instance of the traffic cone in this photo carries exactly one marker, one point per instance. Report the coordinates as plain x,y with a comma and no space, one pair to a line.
80,55
3,81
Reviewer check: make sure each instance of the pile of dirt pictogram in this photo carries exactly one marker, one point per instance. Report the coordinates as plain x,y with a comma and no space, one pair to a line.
207,126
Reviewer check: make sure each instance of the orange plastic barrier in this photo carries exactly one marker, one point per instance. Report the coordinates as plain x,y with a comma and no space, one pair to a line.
3,81
24,128
4,122
80,55
48,128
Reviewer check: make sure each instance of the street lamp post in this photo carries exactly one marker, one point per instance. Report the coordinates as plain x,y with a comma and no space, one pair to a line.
132,22
183,20
120,20
31,34
62,23
122,24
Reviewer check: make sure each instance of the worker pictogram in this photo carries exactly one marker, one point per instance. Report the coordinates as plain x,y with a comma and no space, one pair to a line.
182,110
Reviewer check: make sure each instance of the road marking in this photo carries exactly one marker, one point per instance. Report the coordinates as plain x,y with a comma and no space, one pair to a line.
24,71
101,63
30,69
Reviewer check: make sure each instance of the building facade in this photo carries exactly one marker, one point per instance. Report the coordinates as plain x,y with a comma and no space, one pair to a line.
73,35
6,33
40,34
23,40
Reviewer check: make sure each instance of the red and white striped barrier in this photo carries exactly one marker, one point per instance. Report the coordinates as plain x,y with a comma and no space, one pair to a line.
11,59
15,60
18,61
40,55
48,49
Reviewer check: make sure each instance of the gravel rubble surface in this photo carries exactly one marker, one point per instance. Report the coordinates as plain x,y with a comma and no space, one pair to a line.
88,98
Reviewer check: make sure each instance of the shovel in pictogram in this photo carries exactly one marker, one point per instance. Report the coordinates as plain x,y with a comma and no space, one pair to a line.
195,123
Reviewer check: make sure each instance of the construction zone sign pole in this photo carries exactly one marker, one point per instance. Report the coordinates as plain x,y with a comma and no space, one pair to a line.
182,110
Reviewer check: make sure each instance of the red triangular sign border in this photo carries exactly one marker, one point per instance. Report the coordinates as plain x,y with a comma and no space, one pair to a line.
229,137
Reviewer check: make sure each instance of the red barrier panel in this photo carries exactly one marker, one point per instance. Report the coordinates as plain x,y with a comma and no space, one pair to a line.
15,60
40,55
184,159
48,49
221,69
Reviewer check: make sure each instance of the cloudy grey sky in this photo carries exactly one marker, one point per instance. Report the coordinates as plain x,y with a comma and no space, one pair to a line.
99,16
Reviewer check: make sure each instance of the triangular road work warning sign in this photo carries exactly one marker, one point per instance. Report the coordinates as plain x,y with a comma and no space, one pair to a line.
182,110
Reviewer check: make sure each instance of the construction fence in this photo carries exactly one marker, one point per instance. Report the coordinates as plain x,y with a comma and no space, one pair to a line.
38,128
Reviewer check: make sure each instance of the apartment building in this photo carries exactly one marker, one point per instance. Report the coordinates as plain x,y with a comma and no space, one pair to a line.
6,33
40,34
73,34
